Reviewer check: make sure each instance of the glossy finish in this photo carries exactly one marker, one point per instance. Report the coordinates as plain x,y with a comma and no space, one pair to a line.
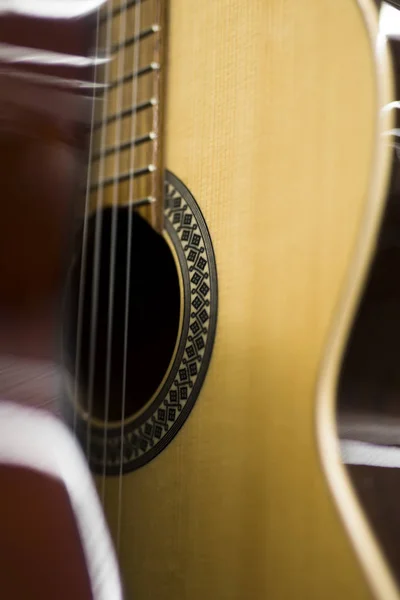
42,137
43,126
40,552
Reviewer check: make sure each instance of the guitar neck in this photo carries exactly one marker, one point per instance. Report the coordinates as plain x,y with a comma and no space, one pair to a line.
127,155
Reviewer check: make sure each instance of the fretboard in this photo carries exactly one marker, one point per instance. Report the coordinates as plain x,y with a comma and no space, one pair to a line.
126,151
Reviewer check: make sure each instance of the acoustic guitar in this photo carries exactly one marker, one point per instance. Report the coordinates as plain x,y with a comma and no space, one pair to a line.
54,542
237,166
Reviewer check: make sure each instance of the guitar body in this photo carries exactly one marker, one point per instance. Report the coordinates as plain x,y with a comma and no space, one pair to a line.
226,480
273,124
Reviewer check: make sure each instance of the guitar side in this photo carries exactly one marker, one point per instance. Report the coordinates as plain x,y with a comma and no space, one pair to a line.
376,569
273,123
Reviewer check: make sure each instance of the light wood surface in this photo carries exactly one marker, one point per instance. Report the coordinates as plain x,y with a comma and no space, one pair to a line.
273,124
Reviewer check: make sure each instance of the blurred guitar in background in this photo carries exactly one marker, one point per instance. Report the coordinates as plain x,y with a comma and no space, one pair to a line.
54,543
230,166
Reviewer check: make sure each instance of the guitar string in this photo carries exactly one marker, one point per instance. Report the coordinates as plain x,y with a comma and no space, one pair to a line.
98,235
136,54
82,271
113,239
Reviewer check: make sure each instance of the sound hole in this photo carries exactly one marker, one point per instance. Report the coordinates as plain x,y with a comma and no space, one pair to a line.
153,321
